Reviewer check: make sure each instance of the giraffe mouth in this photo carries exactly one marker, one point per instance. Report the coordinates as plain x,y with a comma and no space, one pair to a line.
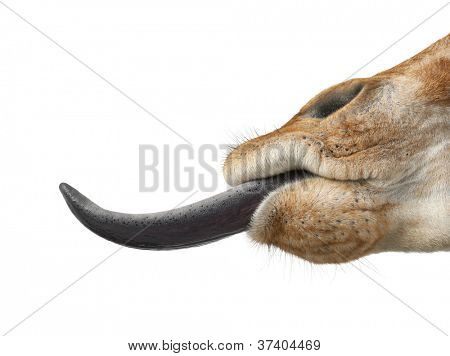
254,169
206,221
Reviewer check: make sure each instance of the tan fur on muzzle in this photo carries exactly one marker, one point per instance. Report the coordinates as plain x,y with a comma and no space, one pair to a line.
379,148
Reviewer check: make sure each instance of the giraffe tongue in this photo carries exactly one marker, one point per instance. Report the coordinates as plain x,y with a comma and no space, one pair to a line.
203,222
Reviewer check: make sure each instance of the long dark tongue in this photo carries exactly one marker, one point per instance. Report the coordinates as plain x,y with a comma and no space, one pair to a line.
206,221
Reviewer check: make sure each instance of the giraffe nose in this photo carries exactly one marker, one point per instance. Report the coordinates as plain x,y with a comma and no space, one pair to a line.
332,100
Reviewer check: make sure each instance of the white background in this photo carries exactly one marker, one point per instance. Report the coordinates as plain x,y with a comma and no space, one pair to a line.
208,69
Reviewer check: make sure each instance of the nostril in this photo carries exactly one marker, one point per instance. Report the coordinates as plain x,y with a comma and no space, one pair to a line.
333,101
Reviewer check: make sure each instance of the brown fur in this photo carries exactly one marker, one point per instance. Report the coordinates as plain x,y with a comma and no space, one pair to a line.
379,160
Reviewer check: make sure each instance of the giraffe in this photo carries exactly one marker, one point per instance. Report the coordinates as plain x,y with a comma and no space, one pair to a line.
376,151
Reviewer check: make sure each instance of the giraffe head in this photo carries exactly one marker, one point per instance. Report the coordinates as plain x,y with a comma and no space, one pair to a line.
376,154
379,150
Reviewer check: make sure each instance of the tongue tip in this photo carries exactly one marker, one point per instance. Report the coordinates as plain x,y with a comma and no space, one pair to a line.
67,192
65,189
77,202
70,194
